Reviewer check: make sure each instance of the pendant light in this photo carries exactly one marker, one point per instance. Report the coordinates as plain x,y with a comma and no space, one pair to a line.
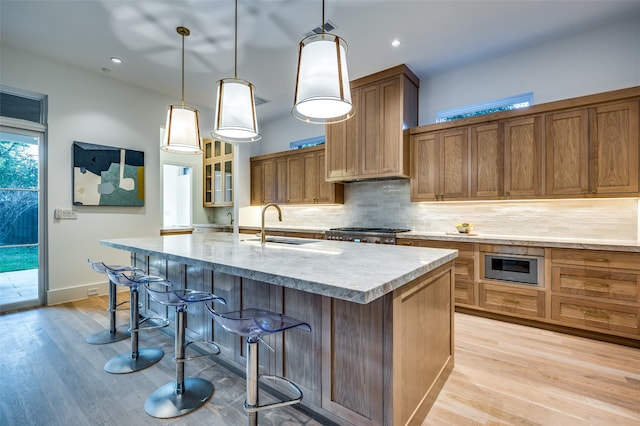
182,134
322,95
235,117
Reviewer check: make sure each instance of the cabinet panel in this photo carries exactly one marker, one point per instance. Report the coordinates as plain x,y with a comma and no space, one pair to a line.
596,259
596,315
614,148
487,161
426,167
454,173
281,180
341,145
567,152
512,300
295,179
217,164
391,148
464,291
310,178
596,283
522,157
369,116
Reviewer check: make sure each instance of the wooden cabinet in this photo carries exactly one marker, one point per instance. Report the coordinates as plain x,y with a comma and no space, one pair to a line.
613,148
593,151
581,147
596,290
517,301
522,157
218,173
374,143
440,165
293,177
487,159
465,289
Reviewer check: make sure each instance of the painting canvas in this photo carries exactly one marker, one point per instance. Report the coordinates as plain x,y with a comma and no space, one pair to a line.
107,176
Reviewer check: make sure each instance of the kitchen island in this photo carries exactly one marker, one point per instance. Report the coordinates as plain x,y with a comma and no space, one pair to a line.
381,345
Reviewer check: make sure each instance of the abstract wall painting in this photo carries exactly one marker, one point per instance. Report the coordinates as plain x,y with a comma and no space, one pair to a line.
107,176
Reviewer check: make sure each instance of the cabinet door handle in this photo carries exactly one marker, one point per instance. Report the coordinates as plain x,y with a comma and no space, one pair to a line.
597,284
596,259
595,313
511,299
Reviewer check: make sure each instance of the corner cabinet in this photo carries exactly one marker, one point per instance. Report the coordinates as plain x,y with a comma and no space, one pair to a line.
374,143
293,177
218,173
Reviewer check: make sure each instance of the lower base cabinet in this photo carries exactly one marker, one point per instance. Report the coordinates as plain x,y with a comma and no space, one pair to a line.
592,292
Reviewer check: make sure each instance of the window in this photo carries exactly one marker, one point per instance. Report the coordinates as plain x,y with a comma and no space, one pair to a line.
504,104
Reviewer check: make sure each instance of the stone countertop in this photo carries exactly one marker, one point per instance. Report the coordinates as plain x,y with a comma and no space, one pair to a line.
560,242
357,273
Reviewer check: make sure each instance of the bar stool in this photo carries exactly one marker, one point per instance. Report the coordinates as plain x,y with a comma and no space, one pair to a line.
111,334
182,395
139,358
253,324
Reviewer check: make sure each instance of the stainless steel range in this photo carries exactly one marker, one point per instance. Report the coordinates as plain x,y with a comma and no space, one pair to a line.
364,235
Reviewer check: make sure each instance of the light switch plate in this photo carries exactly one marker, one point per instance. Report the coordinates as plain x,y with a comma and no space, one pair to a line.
64,214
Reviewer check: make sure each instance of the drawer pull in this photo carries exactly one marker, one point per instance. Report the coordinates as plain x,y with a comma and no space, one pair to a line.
593,313
596,259
597,284
513,300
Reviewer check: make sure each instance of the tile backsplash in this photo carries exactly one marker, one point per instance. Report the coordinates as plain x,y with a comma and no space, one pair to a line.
387,204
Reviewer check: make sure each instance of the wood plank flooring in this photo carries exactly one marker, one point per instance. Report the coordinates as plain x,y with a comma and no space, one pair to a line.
505,374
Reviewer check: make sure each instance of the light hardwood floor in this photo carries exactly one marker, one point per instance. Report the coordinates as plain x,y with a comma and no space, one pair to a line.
505,374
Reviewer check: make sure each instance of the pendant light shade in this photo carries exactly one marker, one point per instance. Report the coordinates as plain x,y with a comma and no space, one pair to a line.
182,134
323,94
235,118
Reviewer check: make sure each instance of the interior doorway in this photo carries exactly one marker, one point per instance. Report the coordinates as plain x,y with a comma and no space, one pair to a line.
176,196
21,254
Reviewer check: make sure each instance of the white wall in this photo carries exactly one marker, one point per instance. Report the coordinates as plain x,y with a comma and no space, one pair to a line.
90,107
595,61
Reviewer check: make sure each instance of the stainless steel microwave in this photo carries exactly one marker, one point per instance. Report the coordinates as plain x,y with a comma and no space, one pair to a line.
514,268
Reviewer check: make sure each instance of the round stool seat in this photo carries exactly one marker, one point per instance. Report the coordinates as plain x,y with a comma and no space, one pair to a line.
254,322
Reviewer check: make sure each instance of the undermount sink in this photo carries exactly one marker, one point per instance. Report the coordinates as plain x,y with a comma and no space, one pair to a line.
284,240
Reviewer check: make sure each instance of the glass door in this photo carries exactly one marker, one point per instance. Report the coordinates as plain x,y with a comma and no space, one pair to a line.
20,228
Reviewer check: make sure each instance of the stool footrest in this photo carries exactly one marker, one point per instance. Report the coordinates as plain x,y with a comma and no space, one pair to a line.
163,323
191,358
284,381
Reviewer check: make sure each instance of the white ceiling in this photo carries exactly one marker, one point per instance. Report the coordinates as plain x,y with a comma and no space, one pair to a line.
435,36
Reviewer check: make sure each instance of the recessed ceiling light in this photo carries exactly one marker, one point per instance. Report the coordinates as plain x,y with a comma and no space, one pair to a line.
395,43
116,60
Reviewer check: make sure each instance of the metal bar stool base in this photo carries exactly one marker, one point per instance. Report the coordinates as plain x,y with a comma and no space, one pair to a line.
125,363
165,403
106,336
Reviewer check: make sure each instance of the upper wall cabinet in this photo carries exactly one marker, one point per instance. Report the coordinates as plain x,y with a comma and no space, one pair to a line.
217,165
293,177
582,147
593,151
374,143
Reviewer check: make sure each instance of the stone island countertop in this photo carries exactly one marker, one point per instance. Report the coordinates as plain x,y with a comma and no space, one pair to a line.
357,273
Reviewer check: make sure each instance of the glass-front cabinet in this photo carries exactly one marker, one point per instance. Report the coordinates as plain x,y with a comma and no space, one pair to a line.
218,173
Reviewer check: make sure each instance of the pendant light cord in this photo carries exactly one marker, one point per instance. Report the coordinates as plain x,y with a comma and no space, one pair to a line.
322,25
183,34
235,50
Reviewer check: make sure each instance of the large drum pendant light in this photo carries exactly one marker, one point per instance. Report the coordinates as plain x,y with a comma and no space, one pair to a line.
235,117
322,93
182,134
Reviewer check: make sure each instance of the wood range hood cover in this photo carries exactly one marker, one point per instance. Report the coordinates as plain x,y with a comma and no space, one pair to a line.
374,144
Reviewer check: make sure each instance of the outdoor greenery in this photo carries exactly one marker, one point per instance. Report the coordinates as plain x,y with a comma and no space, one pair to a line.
18,258
18,206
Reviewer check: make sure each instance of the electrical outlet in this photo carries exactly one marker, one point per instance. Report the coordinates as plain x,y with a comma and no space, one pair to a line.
92,291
